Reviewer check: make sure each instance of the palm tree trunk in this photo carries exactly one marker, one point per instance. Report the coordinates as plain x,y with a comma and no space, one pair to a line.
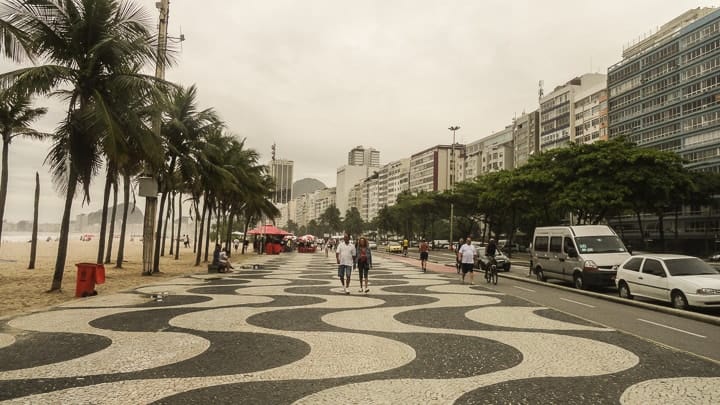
33,247
111,233
172,222
228,233
165,226
177,242
103,220
64,232
247,224
3,181
202,226
158,234
207,237
196,205
123,224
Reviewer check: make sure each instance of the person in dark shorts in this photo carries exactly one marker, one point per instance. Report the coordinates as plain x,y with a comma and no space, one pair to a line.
424,249
459,244
363,262
466,256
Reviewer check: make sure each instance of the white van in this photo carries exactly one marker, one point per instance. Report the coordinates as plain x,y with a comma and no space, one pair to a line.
586,255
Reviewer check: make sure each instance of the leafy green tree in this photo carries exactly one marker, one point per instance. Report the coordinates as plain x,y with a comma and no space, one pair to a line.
330,219
353,222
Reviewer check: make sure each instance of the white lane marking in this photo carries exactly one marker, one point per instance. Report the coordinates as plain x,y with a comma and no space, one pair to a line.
671,328
524,289
579,303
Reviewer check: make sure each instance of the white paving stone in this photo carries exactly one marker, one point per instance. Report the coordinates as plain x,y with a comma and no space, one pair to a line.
685,390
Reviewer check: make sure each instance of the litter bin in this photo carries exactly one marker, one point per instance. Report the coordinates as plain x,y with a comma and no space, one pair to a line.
99,274
85,284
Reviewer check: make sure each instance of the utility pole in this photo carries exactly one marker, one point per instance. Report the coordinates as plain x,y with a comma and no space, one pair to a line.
452,180
150,193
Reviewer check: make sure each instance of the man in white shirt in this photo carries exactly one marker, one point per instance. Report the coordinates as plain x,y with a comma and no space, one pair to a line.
466,257
345,256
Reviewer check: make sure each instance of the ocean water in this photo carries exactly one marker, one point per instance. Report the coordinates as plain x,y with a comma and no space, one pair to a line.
42,236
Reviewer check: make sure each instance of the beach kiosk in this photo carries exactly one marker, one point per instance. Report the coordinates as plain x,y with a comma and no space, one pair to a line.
272,236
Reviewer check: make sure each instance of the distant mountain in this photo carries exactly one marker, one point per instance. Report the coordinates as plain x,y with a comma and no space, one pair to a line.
135,216
306,186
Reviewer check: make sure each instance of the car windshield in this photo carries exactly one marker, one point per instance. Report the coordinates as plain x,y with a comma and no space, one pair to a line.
689,267
600,244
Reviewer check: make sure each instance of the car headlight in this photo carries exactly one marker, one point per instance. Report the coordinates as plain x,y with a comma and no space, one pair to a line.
708,291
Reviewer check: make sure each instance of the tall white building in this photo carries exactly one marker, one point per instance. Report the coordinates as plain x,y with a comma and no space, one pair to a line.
394,178
347,177
557,110
526,137
281,171
434,169
498,151
362,156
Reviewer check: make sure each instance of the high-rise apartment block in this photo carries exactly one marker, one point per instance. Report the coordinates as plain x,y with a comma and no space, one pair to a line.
435,168
557,110
361,156
665,93
526,137
282,173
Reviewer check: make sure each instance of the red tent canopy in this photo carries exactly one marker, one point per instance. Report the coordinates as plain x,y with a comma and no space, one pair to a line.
268,230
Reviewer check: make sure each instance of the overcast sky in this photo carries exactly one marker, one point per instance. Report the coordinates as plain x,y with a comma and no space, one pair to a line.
319,77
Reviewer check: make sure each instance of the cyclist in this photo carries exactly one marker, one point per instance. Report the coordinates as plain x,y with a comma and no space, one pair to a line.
490,251
405,245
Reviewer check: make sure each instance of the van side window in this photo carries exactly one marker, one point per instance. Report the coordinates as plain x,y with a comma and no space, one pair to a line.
556,244
633,264
541,244
568,244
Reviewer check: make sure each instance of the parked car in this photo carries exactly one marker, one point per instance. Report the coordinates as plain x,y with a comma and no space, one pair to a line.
393,247
372,244
684,281
503,262
715,257
441,244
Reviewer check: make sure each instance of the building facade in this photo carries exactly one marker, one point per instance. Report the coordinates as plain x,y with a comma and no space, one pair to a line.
281,171
557,110
347,177
362,156
591,114
665,93
435,168
526,137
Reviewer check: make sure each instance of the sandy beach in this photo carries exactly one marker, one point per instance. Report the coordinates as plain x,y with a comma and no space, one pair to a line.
24,290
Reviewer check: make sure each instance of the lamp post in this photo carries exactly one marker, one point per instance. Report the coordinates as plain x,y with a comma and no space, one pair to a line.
452,179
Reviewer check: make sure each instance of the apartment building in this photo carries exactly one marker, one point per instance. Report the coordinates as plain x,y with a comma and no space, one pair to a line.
362,156
665,93
281,171
435,168
557,110
308,207
498,151
526,137
591,114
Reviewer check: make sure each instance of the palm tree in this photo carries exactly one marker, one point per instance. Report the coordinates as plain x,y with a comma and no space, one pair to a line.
87,47
16,114
182,128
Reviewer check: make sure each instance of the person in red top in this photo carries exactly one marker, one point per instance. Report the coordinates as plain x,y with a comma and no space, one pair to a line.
363,262
424,249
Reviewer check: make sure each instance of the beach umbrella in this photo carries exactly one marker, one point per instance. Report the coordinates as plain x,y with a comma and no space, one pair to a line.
268,230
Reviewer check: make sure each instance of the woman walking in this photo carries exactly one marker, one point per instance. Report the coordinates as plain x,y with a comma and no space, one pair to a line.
363,261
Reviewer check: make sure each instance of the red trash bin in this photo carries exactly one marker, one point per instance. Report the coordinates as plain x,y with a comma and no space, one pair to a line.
99,274
85,284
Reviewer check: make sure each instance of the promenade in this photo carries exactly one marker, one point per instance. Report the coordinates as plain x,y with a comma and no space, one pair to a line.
286,334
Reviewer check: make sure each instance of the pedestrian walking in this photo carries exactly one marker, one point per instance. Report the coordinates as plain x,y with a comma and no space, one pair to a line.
467,255
345,257
424,253
458,265
187,241
363,262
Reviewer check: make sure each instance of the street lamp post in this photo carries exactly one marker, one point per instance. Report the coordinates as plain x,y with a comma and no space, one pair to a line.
452,179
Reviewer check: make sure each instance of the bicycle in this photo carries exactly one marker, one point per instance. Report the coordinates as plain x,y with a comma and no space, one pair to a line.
491,273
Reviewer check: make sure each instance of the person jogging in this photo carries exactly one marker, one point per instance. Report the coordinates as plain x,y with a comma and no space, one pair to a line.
424,253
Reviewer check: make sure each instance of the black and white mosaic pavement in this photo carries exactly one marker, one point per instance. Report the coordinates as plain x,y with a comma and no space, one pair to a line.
287,334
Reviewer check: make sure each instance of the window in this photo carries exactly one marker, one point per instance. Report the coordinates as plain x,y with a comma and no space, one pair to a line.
568,244
633,264
556,244
541,244
653,267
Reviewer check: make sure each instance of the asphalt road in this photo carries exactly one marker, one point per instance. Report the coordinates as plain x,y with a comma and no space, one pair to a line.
652,321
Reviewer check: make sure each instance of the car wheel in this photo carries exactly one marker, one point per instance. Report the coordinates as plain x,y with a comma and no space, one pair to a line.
624,291
507,268
539,274
578,282
679,301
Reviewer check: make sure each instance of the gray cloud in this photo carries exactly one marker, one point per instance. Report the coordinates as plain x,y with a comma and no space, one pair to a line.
319,77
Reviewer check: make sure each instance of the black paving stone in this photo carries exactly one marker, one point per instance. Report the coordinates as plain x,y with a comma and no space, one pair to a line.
143,321
36,349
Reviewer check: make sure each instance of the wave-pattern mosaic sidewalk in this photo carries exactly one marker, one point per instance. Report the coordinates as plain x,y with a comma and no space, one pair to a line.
287,334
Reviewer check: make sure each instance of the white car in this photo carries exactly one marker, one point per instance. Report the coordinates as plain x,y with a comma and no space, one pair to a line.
372,244
681,280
